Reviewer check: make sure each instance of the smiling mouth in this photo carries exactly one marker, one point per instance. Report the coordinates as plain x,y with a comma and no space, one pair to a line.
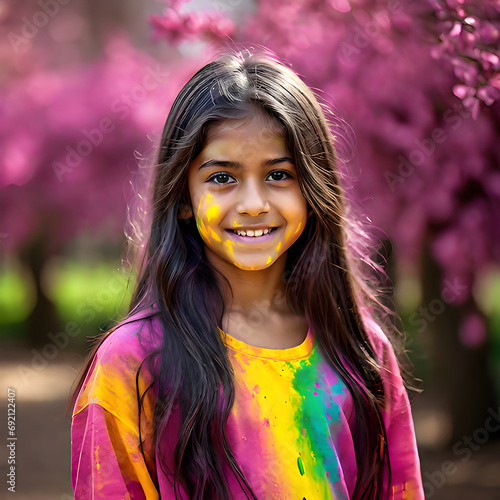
250,233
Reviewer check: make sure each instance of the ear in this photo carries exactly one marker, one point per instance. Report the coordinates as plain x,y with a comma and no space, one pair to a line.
185,211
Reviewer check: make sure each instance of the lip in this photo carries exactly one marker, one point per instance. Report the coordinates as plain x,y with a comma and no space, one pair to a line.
252,239
253,228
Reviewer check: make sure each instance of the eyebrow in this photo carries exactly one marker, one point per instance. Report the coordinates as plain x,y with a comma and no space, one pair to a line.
236,166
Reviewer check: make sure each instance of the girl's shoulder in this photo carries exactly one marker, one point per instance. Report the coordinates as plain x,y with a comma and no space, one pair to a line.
389,366
380,342
112,375
133,338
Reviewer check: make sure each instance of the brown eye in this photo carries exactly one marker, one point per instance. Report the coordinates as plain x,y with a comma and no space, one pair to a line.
220,178
279,175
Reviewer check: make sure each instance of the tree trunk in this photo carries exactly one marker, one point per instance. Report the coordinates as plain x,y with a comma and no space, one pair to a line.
461,380
44,318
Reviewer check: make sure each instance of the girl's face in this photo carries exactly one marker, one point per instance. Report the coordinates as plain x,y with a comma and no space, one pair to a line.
245,195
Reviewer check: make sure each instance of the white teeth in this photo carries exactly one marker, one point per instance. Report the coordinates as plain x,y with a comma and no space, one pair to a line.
252,234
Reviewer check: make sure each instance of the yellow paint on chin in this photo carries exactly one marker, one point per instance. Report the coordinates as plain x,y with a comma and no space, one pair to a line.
269,260
278,246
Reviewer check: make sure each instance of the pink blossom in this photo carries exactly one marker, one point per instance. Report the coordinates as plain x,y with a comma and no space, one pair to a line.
473,332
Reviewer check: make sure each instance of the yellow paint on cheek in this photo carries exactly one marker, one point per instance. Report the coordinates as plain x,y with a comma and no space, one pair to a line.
212,212
215,236
207,205
298,228
278,246
229,245
202,228
199,207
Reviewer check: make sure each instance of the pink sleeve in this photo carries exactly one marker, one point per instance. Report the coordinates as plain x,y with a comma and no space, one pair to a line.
406,479
105,459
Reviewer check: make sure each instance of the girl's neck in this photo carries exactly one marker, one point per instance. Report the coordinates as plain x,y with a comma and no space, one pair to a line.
251,291
256,311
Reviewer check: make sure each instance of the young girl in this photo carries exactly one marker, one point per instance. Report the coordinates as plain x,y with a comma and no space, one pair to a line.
249,365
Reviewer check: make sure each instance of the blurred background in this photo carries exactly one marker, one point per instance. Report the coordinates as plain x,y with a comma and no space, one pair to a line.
85,89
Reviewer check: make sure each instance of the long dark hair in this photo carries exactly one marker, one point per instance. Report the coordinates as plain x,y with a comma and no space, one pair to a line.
192,370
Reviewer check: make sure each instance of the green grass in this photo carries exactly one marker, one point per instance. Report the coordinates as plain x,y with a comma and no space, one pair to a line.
16,296
90,294
83,291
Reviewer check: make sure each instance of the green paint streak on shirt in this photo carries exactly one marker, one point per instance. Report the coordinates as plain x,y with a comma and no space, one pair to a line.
309,416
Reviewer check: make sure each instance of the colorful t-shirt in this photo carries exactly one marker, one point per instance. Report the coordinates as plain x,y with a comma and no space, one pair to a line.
290,428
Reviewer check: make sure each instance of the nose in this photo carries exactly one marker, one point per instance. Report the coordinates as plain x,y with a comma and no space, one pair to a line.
253,199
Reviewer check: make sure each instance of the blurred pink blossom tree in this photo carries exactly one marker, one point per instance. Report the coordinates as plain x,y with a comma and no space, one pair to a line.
416,81
70,136
419,83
